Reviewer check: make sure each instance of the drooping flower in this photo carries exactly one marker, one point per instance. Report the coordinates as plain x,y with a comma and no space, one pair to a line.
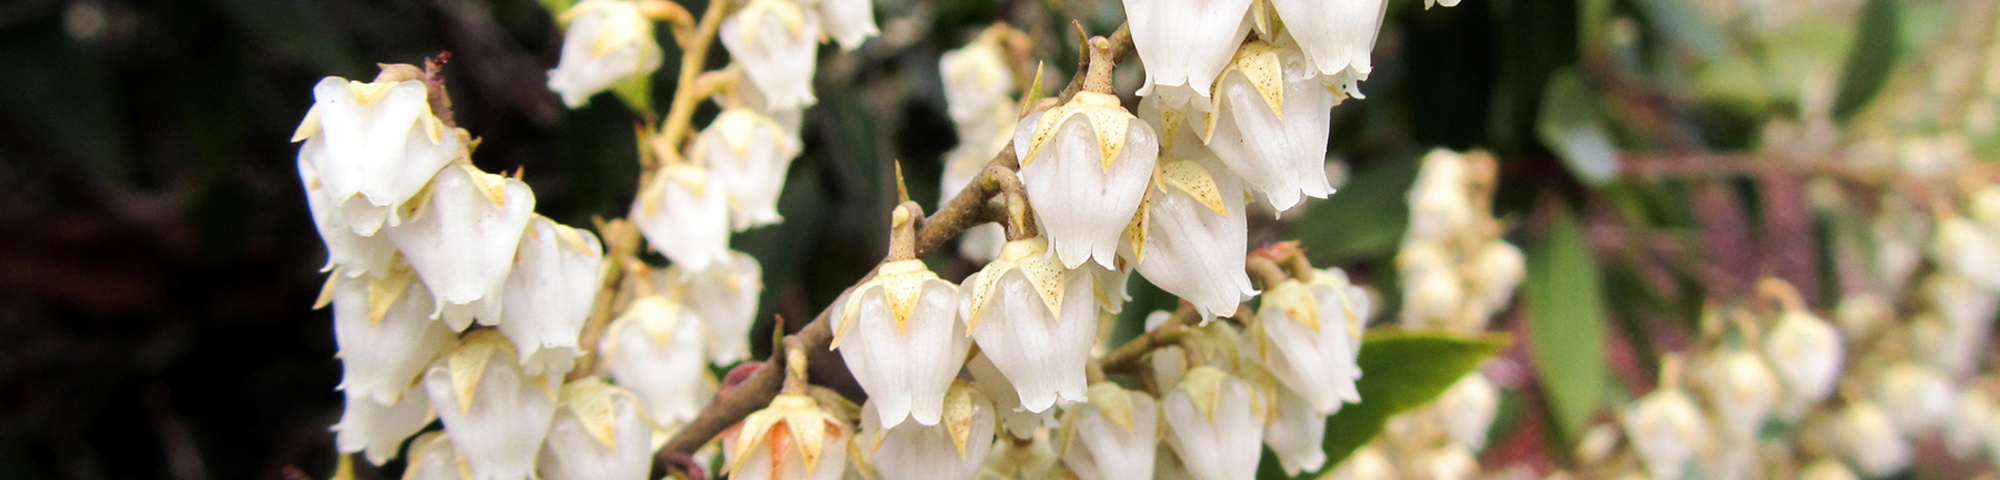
1869,440
1270,124
385,337
777,43
684,214
433,456
1806,352
1112,437
607,41
1366,463
352,254
374,145
1974,427
1035,320
1185,44
600,433
1193,211
1466,410
1019,422
549,294
655,350
750,154
1666,429
848,22
378,429
1740,388
900,335
953,449
725,299
497,414
1216,424
1085,166
1336,35
1310,337
1501,267
1965,314
461,240
792,439
1295,433
1964,249
1922,396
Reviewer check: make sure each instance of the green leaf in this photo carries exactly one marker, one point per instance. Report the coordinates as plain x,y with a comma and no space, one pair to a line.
1571,126
637,92
1364,219
1399,371
557,7
1684,25
1871,59
1565,306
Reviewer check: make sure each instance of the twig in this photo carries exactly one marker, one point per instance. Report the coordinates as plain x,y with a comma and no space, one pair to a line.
1267,273
1121,45
1125,359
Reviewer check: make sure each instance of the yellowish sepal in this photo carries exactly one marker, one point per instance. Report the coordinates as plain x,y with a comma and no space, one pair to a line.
1189,176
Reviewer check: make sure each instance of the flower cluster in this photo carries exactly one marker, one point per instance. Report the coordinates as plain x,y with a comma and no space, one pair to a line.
1457,271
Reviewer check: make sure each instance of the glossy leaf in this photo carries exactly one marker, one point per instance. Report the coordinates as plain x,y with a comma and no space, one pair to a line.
1400,371
1871,59
1564,299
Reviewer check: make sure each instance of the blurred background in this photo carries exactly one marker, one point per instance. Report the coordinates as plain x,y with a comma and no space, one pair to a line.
158,266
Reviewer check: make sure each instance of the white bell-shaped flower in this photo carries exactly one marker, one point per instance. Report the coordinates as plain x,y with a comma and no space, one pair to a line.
1450,462
549,294
1806,352
954,449
684,214
1667,431
1966,311
600,433
1113,437
1466,410
1501,267
374,146
1216,425
1310,337
749,154
1085,166
1183,236
1440,198
1336,35
1366,463
1922,397
379,430
1740,388
848,22
1185,44
350,253
1964,249
792,439
777,43
900,335
1018,421
977,81
385,337
725,299
433,456
498,416
1035,320
655,350
1270,124
1868,439
461,241
1295,433
607,42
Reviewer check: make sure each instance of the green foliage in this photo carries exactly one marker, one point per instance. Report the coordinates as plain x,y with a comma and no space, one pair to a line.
1571,126
1400,371
1565,306
1873,56
1365,219
557,7
637,92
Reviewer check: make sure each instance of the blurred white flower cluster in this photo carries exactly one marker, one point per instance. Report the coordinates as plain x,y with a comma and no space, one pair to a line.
1457,271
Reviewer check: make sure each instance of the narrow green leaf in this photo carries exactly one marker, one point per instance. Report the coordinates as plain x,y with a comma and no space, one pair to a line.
637,92
1565,306
1871,59
1399,371
1571,126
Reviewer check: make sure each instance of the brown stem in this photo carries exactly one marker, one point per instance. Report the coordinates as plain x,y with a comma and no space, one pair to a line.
1126,357
1119,44
694,57
1264,271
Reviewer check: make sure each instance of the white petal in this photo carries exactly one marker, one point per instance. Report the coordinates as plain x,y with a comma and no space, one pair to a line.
433,456
1467,410
1082,207
1020,422
1336,34
754,176
1223,447
906,373
380,429
1295,434
1281,156
725,299
1319,365
684,215
1043,357
606,43
977,82
778,61
462,244
573,452
849,22
1185,43
352,254
912,451
1105,451
549,294
1189,248
381,360
501,430
378,154
655,351
1666,430
1806,352
1868,439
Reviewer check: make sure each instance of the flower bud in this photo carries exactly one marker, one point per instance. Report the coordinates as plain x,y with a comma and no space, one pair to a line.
1035,320
1270,124
953,449
498,416
684,214
1740,388
1216,425
1185,44
461,241
352,254
725,299
792,439
655,350
434,457
1310,338
777,44
1085,166
1193,211
1666,430
549,294
749,154
849,22
374,146
1868,438
1466,410
385,340
900,335
1295,433
1337,36
379,429
606,42
600,433
1113,436
1806,352
1922,397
